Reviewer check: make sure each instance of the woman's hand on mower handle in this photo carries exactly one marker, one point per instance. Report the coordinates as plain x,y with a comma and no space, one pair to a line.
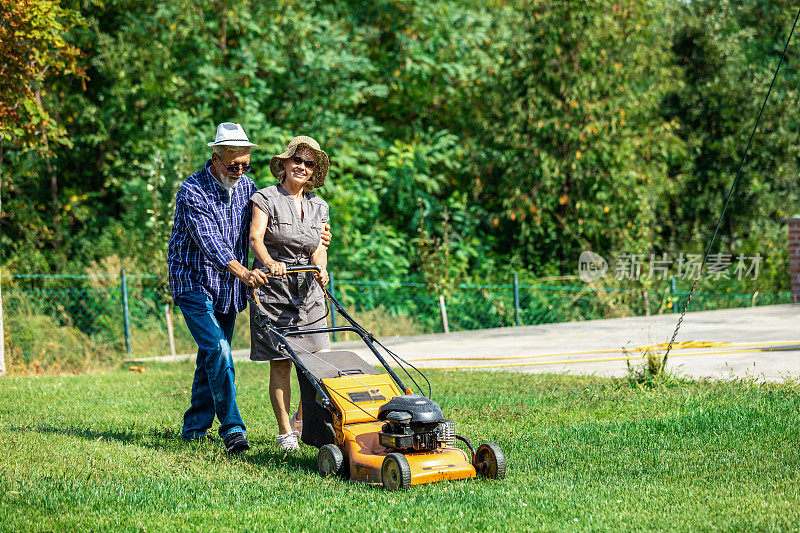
323,278
276,268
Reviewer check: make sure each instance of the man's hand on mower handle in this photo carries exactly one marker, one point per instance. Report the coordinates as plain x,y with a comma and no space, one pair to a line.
251,278
326,235
255,278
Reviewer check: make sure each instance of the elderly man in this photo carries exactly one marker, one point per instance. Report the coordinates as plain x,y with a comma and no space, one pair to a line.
208,252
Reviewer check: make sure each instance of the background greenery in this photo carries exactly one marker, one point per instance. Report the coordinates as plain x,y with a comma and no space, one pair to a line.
537,129
469,139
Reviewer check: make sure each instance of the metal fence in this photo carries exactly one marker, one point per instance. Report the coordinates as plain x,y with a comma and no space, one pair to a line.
478,306
77,321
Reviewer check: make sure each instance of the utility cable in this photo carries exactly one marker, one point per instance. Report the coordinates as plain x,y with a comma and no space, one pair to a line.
730,192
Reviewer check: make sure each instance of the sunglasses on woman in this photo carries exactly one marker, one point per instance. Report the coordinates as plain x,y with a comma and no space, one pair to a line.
309,163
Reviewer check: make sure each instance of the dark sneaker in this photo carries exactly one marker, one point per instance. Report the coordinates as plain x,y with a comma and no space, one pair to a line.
236,443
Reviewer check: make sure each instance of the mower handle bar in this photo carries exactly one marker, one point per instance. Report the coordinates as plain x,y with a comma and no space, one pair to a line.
294,269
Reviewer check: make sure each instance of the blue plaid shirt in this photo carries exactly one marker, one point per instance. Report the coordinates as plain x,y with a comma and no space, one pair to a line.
211,229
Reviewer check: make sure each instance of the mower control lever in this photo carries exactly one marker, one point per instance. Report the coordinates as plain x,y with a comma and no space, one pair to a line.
350,372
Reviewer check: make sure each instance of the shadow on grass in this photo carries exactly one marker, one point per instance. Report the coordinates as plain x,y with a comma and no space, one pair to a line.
267,457
170,441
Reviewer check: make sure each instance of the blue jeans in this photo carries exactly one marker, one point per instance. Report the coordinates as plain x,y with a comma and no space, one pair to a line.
213,390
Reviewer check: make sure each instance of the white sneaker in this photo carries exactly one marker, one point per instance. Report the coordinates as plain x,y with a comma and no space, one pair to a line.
296,425
288,442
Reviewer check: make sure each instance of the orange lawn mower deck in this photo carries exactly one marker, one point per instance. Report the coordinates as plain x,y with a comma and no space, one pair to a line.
367,425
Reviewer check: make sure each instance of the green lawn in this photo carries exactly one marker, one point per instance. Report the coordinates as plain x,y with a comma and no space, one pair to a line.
102,452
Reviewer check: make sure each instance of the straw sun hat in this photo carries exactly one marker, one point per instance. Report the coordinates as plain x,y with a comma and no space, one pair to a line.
323,164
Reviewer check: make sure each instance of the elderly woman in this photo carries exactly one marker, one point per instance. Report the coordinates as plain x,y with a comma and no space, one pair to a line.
285,230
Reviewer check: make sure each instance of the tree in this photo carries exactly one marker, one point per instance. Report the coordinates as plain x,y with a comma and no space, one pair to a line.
577,152
33,48
727,53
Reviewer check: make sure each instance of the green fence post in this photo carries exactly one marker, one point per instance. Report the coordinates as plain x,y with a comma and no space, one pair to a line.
333,311
124,286
516,299
673,290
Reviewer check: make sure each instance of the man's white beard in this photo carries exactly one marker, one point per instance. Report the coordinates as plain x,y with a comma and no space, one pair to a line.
228,183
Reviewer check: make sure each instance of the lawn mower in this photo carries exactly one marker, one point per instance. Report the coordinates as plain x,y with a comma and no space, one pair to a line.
369,427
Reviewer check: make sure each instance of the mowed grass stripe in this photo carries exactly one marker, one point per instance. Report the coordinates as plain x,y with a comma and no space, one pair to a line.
102,452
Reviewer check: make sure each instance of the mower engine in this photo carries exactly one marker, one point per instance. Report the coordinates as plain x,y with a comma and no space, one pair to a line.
414,422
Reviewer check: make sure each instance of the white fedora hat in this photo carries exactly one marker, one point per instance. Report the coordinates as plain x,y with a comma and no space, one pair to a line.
230,134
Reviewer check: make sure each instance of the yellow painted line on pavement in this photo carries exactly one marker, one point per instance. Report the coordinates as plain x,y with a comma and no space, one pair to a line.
607,359
687,345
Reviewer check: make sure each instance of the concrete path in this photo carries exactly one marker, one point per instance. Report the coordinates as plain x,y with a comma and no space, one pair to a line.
561,347
765,343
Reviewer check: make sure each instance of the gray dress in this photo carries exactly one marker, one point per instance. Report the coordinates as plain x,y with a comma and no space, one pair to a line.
296,300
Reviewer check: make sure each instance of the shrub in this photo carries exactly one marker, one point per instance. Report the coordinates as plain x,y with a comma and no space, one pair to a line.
40,345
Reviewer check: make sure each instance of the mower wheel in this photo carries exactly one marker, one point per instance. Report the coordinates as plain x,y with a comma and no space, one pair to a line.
330,461
490,461
395,472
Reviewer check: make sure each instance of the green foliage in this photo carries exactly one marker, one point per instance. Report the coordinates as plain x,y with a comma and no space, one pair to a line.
578,153
652,371
63,349
728,53
538,129
34,49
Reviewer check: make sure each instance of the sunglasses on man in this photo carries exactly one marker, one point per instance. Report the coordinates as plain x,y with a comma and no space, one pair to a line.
245,167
